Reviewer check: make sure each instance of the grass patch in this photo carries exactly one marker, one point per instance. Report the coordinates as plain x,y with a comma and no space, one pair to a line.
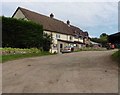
90,49
116,56
0,59
20,56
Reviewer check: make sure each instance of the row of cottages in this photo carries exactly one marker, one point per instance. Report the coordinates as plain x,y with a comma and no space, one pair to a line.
63,34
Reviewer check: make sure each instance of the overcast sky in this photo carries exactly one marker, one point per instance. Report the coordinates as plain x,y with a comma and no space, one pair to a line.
94,17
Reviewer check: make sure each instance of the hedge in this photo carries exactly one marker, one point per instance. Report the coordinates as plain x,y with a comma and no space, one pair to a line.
23,34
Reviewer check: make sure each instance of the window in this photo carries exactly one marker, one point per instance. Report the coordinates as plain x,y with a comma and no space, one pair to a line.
57,36
71,37
61,45
80,37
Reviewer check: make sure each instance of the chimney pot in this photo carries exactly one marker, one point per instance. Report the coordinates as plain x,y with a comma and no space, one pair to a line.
51,15
68,22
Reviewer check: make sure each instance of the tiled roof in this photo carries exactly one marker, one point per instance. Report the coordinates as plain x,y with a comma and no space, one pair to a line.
51,24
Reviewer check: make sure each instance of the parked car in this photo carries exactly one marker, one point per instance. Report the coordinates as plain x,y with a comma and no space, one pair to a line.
67,49
110,46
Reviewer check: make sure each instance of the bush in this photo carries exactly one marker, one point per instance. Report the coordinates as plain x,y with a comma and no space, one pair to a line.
7,51
116,56
17,53
21,34
91,49
47,41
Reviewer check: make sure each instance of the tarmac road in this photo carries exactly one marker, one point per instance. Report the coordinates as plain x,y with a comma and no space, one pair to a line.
79,72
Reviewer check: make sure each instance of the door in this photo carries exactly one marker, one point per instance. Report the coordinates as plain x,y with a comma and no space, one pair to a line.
61,47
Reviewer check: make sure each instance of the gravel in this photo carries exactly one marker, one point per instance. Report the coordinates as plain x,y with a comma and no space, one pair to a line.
79,72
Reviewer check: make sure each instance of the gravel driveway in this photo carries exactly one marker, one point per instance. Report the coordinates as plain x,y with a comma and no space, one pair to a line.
80,72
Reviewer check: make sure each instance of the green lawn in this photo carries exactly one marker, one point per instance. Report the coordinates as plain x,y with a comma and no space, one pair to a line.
9,53
116,56
19,56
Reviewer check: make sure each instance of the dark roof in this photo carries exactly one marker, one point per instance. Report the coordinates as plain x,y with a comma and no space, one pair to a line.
115,35
114,38
85,34
51,24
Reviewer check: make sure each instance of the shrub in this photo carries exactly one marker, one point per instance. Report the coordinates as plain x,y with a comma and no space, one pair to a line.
21,34
24,34
47,41
7,51
116,56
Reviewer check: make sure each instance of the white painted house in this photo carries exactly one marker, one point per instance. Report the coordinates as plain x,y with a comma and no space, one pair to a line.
63,34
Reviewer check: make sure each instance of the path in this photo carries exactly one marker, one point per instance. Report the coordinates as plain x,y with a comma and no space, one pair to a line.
80,72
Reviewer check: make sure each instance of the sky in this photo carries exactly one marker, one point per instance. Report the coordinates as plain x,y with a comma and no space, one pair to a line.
94,17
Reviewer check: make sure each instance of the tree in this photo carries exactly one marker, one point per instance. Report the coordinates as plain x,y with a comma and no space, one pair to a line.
103,35
103,39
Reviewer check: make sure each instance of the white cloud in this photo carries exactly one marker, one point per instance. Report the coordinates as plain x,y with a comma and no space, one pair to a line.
86,15
60,0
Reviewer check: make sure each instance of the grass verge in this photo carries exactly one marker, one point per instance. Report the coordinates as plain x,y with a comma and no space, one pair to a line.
116,56
91,49
10,57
